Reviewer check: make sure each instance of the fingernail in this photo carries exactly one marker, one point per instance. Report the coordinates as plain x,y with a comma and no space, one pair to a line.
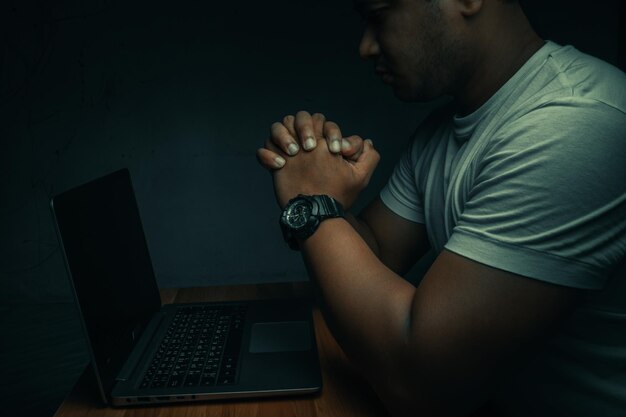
279,162
310,143
369,141
345,145
292,149
335,146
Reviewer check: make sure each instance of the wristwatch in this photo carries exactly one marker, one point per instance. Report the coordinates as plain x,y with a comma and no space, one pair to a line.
303,214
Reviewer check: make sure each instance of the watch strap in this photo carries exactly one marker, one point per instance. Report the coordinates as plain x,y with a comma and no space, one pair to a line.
328,207
323,207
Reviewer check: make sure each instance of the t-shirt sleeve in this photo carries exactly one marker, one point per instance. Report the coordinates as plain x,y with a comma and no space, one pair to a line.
549,197
401,194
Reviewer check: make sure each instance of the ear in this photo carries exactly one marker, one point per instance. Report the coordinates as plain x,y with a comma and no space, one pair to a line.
469,8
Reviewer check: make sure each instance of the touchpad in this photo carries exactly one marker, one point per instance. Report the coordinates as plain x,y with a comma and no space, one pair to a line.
284,336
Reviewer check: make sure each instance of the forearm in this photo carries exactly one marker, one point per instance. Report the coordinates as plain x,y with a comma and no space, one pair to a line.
364,230
367,305
396,242
374,315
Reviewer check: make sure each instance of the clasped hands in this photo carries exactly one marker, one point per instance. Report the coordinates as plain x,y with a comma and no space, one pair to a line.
307,154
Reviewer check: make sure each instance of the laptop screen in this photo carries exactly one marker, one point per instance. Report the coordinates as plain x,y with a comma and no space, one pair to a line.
109,266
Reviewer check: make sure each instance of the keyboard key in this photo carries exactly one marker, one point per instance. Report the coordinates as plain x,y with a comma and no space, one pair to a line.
226,381
175,381
157,384
207,380
192,380
200,347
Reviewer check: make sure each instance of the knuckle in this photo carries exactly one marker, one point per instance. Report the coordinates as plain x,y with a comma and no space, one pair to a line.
332,129
265,159
333,126
304,131
262,155
303,135
318,116
275,127
302,113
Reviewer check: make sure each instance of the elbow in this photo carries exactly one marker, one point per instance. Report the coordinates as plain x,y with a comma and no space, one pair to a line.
398,401
416,384
411,401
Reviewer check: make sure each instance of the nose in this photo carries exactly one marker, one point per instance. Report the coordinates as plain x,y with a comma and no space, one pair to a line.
369,48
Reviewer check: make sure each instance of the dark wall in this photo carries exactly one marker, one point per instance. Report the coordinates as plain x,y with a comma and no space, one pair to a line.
597,28
182,93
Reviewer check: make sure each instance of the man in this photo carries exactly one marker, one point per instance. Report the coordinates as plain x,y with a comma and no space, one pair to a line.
519,186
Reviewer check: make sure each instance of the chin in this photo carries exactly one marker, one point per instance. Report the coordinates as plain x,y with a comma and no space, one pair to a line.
411,96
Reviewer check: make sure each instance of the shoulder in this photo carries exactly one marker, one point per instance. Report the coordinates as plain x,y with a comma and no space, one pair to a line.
571,99
565,125
588,77
564,74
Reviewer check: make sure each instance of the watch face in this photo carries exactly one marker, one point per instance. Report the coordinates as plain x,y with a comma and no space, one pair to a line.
298,214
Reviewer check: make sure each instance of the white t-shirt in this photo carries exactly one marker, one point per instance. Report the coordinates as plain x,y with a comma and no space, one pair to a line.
534,183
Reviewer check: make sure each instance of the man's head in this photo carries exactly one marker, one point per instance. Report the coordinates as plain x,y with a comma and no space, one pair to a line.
426,49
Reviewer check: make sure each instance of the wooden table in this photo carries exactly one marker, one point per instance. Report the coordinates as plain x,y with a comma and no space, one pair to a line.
344,392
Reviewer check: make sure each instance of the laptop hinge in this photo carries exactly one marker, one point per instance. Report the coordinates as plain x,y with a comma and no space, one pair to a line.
137,353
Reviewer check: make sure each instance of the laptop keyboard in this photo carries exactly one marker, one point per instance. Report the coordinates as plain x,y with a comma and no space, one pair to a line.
201,348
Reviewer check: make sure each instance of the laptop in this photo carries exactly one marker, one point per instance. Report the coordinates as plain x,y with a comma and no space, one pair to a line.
145,353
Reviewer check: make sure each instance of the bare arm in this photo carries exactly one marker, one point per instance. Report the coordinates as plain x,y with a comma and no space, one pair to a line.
397,242
435,350
438,349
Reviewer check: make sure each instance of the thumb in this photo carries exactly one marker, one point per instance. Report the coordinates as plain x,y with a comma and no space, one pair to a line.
367,161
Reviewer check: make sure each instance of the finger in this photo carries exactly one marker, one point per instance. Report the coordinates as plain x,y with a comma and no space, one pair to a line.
305,131
367,161
269,145
269,160
289,122
332,133
318,120
352,147
283,139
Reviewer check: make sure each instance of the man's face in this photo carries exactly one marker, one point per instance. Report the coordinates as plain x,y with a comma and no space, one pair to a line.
413,45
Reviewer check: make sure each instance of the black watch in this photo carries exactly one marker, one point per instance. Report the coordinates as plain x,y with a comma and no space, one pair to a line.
303,214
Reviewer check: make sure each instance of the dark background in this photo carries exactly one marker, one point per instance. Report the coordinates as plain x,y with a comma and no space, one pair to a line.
182,93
